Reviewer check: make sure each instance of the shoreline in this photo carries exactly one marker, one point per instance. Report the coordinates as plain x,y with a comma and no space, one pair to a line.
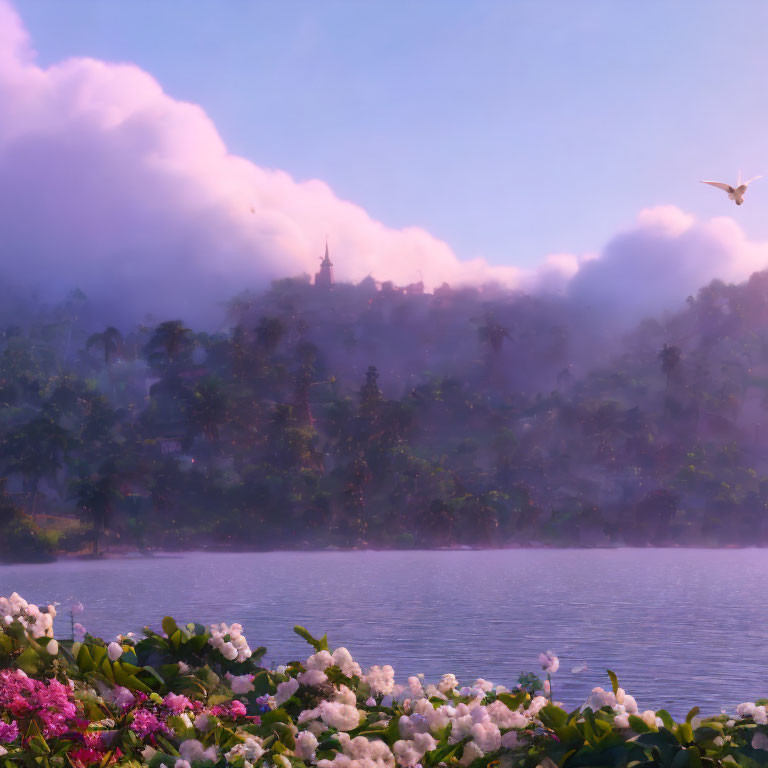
135,554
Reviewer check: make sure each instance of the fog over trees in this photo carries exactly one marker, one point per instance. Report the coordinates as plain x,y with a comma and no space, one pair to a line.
373,415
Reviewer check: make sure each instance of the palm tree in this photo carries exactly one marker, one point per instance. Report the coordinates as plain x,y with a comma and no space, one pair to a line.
95,497
170,342
493,334
207,407
670,358
111,341
34,450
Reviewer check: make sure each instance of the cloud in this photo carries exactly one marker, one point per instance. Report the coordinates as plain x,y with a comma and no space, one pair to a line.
110,185
667,256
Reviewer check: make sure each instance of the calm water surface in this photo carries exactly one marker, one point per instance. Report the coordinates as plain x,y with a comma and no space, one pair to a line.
679,627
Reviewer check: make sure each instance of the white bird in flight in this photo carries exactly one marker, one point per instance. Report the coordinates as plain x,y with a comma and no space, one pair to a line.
734,193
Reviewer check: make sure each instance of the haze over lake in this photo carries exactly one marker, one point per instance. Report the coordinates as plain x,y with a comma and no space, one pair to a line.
677,625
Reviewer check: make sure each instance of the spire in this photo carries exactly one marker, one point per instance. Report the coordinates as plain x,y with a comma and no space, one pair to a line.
327,259
324,277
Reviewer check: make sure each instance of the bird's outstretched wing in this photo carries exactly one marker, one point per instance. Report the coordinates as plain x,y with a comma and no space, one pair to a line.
754,178
719,184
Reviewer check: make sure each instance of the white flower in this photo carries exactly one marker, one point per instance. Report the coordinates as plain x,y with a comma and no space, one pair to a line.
487,736
549,662
370,702
759,715
538,703
649,718
240,684
228,651
621,721
320,660
342,658
345,696
192,750
306,744
312,677
483,685
448,683
52,647
181,764
114,651
286,690
471,753
504,717
183,668
408,725
600,698
343,717
79,633
381,679
415,688
250,750
629,703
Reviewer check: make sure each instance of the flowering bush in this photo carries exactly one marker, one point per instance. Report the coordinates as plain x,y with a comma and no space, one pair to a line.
196,697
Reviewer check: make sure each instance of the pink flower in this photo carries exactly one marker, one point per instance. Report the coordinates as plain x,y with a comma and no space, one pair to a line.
9,731
177,704
145,723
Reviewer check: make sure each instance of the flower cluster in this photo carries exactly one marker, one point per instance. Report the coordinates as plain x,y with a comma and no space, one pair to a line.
37,621
48,702
230,641
169,700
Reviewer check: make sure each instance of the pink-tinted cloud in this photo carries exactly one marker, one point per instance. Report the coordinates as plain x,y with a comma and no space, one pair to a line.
110,185
667,256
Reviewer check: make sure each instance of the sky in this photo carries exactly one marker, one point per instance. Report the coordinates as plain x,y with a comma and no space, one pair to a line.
474,140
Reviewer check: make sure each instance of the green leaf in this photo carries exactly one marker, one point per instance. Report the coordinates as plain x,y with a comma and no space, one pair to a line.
552,716
84,659
318,645
614,680
666,718
695,711
275,716
169,625
29,661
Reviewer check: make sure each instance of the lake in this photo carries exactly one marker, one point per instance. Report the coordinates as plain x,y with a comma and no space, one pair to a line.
680,627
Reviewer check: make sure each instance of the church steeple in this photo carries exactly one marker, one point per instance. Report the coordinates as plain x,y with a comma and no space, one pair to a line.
324,278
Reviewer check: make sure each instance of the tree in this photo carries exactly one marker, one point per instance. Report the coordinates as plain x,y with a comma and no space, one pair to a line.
207,407
34,450
670,358
95,495
170,343
110,341
493,334
269,333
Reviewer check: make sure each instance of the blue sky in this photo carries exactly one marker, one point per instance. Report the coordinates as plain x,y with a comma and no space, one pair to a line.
508,129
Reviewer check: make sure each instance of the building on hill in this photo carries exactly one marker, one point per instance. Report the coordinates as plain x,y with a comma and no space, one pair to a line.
324,278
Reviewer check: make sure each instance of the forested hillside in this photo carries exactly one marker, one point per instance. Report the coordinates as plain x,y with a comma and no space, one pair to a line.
370,415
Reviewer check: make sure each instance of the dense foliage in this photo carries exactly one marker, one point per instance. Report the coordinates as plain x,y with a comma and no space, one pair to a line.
196,697
368,415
